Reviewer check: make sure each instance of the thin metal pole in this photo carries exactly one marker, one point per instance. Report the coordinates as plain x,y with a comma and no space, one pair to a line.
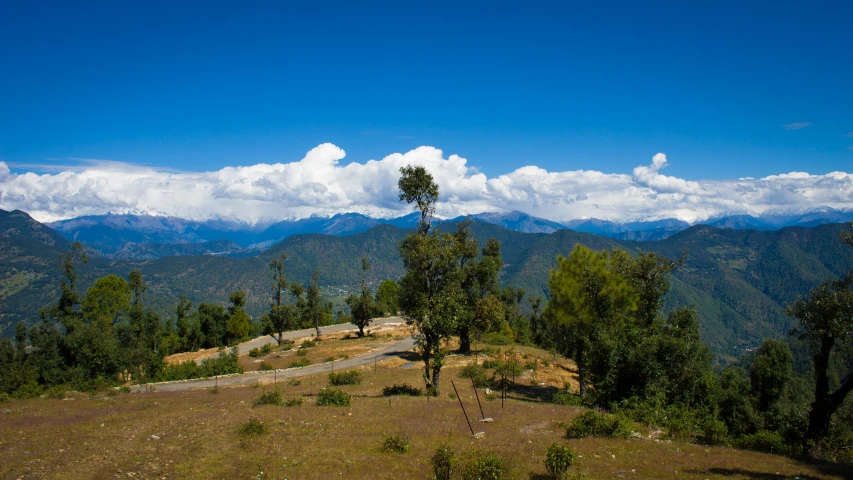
482,415
463,407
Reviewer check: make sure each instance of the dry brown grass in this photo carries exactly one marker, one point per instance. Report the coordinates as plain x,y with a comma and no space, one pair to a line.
199,436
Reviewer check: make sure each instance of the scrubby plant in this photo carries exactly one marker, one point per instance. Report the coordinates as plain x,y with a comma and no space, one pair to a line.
301,352
594,424
260,352
4,397
273,397
124,389
497,339
265,367
308,344
294,382
293,402
57,392
482,465
763,441
253,427
401,389
443,462
476,372
352,377
564,397
558,459
302,362
395,443
333,397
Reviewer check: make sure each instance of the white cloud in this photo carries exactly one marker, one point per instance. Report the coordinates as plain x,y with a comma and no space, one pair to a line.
318,184
796,126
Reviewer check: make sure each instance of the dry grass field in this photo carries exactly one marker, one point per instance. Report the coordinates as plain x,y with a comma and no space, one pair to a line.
196,433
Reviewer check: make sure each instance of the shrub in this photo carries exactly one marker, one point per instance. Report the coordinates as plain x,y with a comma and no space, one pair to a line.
260,352
558,460
763,441
497,339
333,397
715,432
124,389
594,424
401,389
483,466
352,377
302,362
531,364
395,443
253,427
442,463
57,392
488,363
265,367
272,397
476,372
294,382
255,352
293,402
564,397
301,352
4,397
308,344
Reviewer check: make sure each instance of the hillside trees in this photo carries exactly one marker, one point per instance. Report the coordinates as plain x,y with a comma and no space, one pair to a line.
605,312
362,306
826,319
432,296
280,317
388,297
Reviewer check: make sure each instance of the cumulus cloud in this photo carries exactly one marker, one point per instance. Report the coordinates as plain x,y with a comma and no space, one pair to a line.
319,185
796,126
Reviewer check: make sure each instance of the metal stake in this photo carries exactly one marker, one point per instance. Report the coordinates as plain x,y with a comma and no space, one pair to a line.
463,407
482,415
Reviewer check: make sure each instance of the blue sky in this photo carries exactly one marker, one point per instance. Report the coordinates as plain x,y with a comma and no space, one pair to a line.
561,85
584,92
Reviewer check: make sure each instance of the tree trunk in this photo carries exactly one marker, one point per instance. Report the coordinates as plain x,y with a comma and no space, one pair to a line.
360,330
581,373
820,414
426,356
464,340
436,372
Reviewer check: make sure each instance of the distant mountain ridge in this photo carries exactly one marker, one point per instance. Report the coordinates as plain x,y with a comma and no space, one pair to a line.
109,234
738,280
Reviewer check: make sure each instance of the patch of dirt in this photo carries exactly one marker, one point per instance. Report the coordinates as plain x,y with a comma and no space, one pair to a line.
189,356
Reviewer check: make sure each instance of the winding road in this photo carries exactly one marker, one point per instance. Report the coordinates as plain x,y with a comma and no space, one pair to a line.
392,350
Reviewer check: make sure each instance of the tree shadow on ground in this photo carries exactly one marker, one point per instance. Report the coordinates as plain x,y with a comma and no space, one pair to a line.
531,393
824,467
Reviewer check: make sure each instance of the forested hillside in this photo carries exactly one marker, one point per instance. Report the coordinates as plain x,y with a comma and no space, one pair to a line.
739,280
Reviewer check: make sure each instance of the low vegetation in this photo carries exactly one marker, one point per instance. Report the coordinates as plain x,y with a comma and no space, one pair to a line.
351,377
333,397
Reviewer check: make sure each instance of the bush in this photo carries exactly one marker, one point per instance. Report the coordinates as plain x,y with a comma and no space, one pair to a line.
488,363
531,364
763,441
564,397
594,424
301,352
715,432
308,344
293,402
269,398
497,339
4,397
294,382
442,463
124,389
483,466
253,427
57,392
265,367
333,397
558,460
352,377
476,372
395,444
401,389
302,362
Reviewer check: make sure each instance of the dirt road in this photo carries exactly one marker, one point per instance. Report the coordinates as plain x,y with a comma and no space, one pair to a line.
394,349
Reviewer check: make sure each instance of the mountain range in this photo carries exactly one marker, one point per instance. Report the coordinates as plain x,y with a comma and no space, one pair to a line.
739,281
145,237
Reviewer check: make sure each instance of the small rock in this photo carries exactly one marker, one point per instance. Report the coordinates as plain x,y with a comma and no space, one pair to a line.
155,437
612,456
